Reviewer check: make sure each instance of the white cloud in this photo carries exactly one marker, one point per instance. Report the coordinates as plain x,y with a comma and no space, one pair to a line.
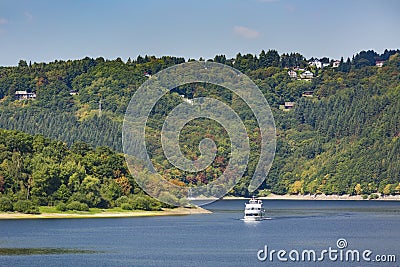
246,32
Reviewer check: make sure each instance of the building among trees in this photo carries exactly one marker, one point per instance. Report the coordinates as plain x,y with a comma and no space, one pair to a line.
21,95
307,75
292,74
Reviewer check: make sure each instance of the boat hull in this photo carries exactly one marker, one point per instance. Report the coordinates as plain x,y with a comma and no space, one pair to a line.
253,218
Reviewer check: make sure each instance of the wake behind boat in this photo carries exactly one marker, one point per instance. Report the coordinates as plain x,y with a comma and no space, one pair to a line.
254,210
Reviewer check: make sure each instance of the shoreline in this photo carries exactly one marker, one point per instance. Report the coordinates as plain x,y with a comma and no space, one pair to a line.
318,197
180,211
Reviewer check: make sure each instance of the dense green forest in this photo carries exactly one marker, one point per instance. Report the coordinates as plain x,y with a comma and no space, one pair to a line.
341,139
35,170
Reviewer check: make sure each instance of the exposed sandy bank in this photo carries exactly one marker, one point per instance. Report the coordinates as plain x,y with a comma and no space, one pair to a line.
105,214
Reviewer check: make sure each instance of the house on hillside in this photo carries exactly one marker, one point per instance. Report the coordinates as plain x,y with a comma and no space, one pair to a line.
292,74
73,92
316,63
289,105
336,64
307,75
187,100
21,95
379,63
307,94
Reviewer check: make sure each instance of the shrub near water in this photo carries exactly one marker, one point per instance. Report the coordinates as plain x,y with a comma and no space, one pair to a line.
76,205
6,204
126,206
26,206
144,202
61,207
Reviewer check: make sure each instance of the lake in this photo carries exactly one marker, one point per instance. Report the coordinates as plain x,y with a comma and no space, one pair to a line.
218,239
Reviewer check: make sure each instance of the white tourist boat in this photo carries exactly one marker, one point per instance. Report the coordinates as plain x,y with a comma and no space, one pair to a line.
254,210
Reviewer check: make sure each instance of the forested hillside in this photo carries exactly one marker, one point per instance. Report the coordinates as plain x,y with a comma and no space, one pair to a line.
35,170
341,138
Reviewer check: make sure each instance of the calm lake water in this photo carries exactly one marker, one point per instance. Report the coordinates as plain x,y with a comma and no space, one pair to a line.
218,239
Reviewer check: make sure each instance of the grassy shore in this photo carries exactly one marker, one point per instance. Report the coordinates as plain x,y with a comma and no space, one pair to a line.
52,213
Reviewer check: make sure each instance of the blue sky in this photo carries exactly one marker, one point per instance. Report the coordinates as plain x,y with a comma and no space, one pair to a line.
44,30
